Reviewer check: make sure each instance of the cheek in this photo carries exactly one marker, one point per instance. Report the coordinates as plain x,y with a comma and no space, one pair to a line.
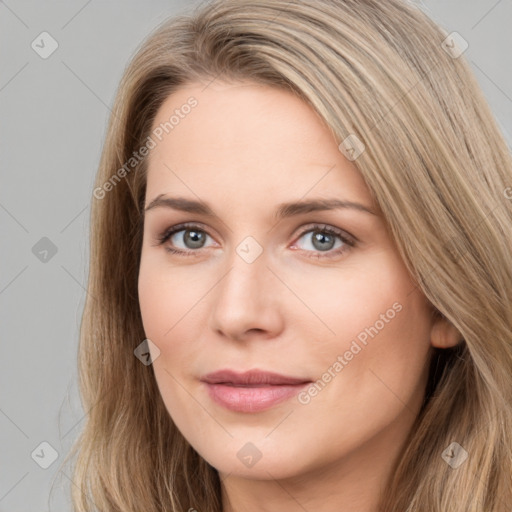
173,309
166,305
351,298
377,333
372,373
167,298
153,294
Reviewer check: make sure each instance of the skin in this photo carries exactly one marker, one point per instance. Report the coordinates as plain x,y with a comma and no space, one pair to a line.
244,149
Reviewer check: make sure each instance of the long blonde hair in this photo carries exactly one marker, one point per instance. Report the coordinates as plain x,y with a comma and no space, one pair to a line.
434,161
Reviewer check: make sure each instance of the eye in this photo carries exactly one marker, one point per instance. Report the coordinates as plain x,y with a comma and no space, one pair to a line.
323,238
190,235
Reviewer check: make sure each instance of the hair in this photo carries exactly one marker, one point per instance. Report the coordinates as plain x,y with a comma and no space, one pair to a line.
434,161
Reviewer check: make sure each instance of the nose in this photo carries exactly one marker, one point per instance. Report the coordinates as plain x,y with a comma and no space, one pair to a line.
247,301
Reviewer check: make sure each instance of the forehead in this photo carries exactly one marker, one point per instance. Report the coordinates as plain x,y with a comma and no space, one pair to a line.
247,140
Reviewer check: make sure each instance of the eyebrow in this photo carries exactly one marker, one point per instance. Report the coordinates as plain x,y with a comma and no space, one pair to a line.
283,210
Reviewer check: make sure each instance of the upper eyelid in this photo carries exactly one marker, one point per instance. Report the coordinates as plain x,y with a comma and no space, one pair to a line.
172,230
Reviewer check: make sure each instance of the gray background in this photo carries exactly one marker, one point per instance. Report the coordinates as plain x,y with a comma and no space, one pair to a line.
53,115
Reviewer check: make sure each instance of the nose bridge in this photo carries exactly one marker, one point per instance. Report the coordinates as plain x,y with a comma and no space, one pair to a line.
244,299
245,281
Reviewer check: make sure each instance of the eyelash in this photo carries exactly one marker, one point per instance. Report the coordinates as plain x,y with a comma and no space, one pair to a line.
322,228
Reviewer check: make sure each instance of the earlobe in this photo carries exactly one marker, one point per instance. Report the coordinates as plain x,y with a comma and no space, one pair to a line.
444,334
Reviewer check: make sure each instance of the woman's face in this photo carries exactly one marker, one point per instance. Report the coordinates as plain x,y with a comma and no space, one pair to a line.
258,284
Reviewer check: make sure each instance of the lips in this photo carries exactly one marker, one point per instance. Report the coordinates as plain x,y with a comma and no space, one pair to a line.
253,378
252,391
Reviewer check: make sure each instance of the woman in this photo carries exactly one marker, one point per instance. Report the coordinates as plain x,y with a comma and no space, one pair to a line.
300,288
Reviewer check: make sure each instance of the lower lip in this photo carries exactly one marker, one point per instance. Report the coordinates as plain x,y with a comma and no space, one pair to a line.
252,399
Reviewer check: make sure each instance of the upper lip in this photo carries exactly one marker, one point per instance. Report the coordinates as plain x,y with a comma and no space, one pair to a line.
251,377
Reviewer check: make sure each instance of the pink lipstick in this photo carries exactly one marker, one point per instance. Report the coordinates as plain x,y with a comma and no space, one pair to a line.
252,391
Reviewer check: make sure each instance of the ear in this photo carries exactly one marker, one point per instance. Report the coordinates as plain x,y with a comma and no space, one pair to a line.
443,333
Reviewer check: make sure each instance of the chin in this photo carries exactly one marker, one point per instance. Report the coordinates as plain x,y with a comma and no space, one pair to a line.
250,460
